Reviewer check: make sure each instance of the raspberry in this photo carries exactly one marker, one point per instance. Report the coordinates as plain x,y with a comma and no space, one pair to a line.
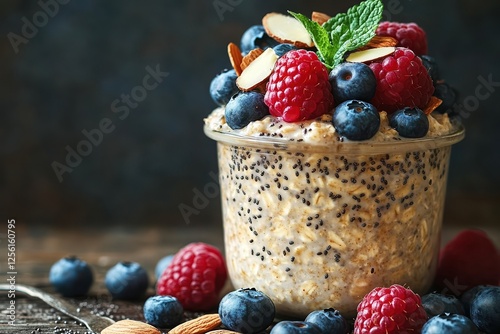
298,88
402,81
390,310
409,35
195,277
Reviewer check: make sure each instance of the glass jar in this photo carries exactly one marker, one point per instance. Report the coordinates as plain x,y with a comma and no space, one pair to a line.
318,226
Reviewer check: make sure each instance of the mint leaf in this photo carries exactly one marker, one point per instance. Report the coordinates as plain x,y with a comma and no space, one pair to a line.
319,35
362,21
344,32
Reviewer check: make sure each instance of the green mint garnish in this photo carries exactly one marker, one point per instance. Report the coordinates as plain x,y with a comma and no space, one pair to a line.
344,32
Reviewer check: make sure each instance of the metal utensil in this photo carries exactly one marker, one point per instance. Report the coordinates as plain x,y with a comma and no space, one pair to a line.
93,322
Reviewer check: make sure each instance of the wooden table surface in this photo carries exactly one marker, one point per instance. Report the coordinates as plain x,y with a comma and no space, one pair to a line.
38,248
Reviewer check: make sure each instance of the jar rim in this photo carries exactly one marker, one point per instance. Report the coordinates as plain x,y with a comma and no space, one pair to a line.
344,147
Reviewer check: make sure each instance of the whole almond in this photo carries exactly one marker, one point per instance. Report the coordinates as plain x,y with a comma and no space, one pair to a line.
222,331
199,325
130,327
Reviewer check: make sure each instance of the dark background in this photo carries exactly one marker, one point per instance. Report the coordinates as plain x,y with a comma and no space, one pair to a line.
64,79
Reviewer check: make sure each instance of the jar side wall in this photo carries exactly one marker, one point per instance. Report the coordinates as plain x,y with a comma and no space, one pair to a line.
314,230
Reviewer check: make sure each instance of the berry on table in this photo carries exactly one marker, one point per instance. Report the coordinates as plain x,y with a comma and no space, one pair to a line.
195,277
469,259
330,321
246,311
163,311
356,120
402,81
295,327
485,309
409,35
352,81
162,264
395,309
410,122
437,303
298,88
127,280
71,276
449,323
245,107
468,296
223,86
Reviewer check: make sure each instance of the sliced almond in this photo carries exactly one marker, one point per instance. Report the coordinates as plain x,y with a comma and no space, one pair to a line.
258,71
433,103
370,54
235,57
287,29
250,57
319,17
130,327
199,325
379,42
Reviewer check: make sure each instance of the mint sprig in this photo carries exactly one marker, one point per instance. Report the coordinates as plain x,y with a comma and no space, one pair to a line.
344,32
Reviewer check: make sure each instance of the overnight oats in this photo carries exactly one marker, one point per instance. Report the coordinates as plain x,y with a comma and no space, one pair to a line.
332,171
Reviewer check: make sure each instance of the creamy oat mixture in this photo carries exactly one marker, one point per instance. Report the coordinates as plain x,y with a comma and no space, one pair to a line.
316,229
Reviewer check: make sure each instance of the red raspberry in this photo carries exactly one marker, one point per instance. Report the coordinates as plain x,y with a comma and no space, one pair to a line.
469,259
402,81
409,35
390,310
298,88
195,277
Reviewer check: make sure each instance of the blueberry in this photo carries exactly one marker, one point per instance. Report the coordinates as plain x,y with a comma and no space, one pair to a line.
127,280
71,276
246,311
449,323
356,120
283,48
244,108
256,37
295,327
448,95
163,311
352,81
223,86
410,122
330,321
432,68
485,309
468,296
162,264
436,303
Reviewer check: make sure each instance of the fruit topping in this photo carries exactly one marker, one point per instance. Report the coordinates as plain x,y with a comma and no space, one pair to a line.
286,29
244,108
256,37
258,71
356,120
127,280
223,86
395,309
298,88
295,327
352,81
410,122
195,277
409,35
246,311
71,276
402,81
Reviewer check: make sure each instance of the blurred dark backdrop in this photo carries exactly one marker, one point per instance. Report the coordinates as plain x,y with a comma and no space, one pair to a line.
82,59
